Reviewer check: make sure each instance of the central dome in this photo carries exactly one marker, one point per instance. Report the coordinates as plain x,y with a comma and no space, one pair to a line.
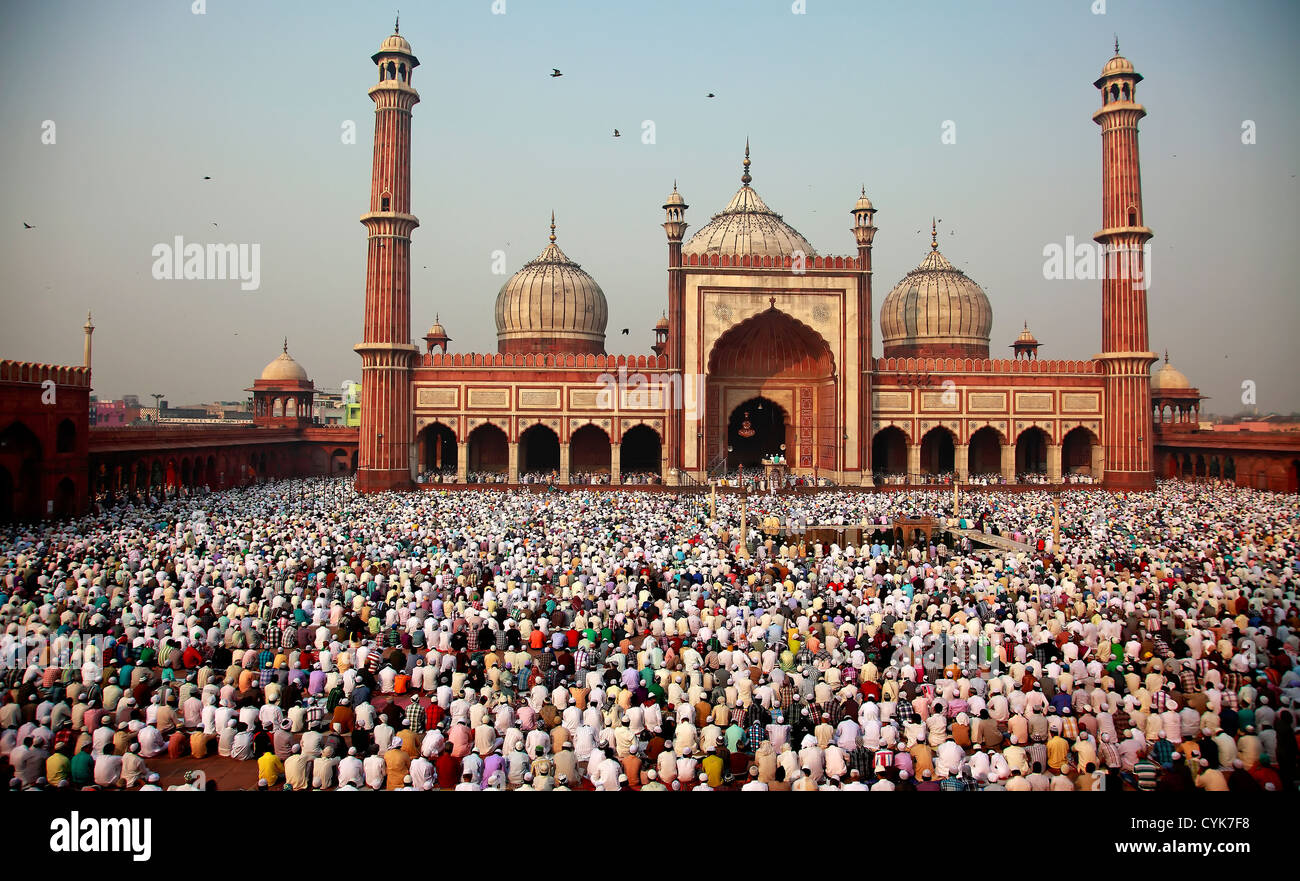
747,226
936,311
551,305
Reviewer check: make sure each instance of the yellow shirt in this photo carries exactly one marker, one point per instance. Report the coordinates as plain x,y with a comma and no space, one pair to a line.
1058,750
713,769
270,769
57,768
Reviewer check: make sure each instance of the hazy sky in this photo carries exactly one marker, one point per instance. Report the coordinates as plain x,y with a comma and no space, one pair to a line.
147,98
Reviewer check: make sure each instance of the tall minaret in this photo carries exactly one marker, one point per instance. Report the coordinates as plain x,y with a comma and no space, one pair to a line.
864,233
1125,360
89,328
386,351
675,228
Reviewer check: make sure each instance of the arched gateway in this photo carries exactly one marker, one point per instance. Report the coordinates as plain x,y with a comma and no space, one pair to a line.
771,383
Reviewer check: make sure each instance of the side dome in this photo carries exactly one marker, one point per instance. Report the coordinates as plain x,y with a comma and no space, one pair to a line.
747,226
395,43
552,306
1117,65
284,369
936,311
1169,378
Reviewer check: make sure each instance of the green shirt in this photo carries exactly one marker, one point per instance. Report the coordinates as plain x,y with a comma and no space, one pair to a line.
83,769
734,735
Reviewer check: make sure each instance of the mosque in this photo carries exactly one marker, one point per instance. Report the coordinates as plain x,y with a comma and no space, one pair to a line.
766,349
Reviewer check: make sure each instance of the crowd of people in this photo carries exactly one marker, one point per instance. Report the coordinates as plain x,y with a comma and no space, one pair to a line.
589,478
756,479
482,639
486,477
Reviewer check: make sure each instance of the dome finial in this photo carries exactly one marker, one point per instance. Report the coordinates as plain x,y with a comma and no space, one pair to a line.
1117,44
934,235
745,178
397,22
1166,356
552,227
285,347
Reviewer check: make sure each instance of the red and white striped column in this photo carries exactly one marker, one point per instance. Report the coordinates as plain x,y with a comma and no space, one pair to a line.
386,350
1125,359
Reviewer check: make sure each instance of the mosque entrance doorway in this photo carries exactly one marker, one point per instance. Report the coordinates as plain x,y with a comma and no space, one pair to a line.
776,361
938,452
488,450
20,459
6,495
1076,451
640,452
539,451
889,454
758,428
984,457
1031,451
438,449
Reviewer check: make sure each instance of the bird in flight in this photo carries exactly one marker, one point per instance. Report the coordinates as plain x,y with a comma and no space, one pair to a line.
626,330
710,95
555,71
207,177
27,225
616,134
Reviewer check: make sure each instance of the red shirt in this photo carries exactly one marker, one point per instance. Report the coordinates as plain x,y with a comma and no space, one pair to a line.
448,771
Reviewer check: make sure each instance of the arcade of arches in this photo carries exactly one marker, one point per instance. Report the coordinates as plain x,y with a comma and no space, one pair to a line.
986,454
166,471
588,455
1273,470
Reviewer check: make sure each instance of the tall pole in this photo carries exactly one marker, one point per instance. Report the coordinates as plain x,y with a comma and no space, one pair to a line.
743,553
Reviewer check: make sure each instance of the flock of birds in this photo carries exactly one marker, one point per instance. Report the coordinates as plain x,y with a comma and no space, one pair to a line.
555,71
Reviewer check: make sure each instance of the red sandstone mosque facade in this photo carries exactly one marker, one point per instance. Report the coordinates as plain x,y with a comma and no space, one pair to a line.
765,349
